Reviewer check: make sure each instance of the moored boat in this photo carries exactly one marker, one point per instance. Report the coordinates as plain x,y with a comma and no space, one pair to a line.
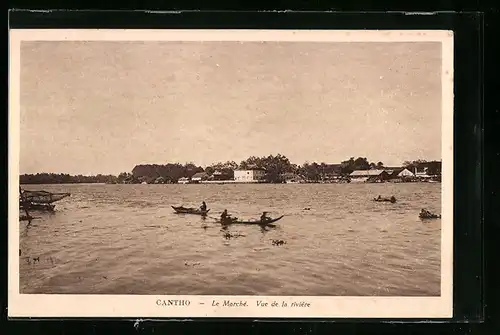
40,200
43,197
42,207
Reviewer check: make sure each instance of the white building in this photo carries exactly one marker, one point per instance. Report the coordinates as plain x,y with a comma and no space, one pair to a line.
200,176
421,173
248,176
406,173
184,180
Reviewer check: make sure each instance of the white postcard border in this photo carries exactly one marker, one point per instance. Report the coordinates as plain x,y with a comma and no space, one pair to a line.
154,306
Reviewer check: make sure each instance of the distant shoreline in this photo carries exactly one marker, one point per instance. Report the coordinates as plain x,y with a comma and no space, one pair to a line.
267,169
25,184
238,183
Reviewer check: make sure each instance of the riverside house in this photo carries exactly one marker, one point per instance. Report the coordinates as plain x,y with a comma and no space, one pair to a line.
370,176
399,172
200,176
254,175
221,176
405,173
184,180
422,172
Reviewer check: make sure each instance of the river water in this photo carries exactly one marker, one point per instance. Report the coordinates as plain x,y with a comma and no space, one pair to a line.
126,239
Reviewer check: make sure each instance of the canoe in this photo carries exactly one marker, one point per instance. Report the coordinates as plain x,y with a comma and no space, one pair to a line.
427,217
184,210
384,200
268,223
43,197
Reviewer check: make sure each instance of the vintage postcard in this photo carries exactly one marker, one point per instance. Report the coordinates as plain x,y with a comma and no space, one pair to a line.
230,173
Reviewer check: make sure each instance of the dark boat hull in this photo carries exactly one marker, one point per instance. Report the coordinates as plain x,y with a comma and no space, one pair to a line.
38,207
255,223
183,210
433,217
384,200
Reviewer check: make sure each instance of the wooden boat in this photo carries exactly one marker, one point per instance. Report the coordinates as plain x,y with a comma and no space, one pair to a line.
391,199
41,207
429,216
185,210
267,223
43,197
40,200
36,207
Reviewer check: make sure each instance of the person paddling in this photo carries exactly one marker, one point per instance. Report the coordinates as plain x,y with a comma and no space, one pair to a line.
264,217
224,217
203,207
425,213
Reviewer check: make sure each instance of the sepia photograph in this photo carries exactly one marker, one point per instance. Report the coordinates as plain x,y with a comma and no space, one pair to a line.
231,173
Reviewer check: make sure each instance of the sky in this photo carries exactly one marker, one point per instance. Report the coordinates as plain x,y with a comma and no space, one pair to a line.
104,107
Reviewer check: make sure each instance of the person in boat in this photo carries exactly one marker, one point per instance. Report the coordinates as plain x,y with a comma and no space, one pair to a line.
225,217
203,207
264,217
379,197
425,213
24,204
393,199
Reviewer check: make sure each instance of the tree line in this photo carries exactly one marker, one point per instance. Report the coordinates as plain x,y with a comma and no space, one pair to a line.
64,178
277,167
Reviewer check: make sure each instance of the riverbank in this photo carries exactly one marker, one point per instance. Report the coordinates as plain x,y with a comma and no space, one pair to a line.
234,182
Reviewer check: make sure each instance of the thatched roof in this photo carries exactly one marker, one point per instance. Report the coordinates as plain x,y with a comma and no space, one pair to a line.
200,175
